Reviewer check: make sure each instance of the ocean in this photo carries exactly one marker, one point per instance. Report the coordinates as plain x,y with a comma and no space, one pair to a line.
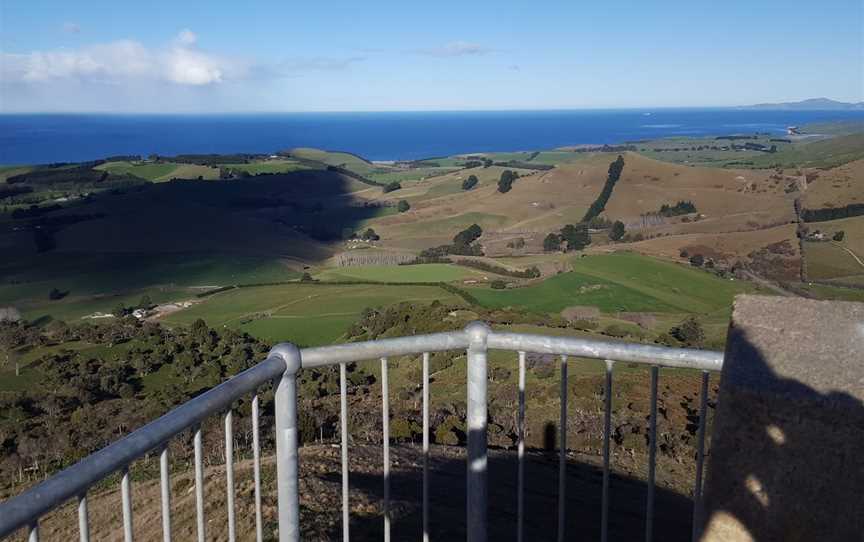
47,138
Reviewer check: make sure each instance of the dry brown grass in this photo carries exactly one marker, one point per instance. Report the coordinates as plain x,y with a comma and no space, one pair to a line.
726,246
836,187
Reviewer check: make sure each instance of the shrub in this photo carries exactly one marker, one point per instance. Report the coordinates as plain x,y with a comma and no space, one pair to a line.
617,231
839,236
468,235
403,206
584,325
498,284
391,187
552,242
470,182
576,235
614,330
689,332
697,260
370,235
505,183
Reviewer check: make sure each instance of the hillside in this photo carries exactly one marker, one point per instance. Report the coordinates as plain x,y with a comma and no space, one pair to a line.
320,497
811,104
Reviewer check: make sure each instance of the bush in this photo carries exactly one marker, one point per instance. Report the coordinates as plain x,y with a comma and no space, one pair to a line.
689,332
370,235
615,330
552,243
391,187
697,260
468,235
576,235
449,431
470,182
505,183
498,284
839,236
617,231
684,253
584,324
403,206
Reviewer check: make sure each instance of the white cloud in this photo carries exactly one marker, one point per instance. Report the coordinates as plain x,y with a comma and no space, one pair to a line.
71,28
456,48
181,63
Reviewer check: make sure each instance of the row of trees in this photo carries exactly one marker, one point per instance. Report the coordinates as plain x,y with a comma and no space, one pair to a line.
599,205
832,213
463,245
680,208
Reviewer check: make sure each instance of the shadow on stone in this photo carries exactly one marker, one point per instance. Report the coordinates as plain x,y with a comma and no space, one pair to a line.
786,460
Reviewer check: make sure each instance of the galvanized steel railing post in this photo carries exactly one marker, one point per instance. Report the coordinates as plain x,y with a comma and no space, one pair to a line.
476,483
286,444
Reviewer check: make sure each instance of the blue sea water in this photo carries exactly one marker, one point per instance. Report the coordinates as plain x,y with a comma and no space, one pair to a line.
45,138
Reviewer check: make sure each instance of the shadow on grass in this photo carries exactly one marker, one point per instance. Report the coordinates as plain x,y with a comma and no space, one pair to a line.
447,499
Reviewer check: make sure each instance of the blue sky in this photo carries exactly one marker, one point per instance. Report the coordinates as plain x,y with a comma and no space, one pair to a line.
184,56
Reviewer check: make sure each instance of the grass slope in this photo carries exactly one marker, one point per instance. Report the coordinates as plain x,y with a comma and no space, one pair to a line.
99,281
308,314
435,272
622,282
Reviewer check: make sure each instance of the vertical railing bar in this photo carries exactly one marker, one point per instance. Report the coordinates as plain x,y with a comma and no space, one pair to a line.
520,425
652,456
607,430
33,532
700,457
287,443
385,422
229,474
256,465
199,485
425,446
562,453
343,423
477,491
126,497
83,519
165,486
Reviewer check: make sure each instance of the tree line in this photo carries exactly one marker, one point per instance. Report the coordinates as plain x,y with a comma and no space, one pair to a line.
599,205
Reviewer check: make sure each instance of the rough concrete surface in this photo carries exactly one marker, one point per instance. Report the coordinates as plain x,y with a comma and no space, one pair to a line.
786,461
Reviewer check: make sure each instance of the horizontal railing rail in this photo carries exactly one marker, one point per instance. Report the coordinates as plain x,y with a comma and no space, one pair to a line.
280,367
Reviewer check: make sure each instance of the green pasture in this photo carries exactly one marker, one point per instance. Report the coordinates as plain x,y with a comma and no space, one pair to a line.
308,314
433,272
622,282
98,282
269,166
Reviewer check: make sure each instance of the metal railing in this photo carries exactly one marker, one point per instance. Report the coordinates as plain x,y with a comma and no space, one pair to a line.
281,366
